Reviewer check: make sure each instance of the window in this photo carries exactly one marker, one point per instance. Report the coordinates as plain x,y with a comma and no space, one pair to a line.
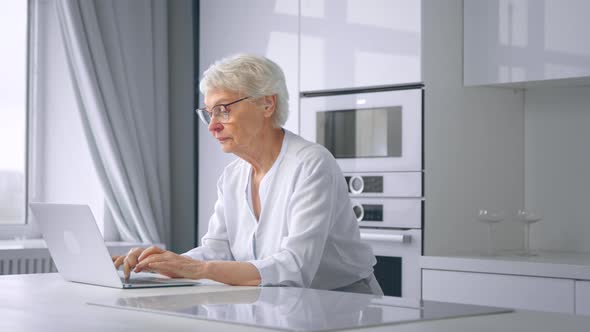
13,111
44,156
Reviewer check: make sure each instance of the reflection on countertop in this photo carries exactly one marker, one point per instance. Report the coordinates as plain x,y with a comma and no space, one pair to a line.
298,309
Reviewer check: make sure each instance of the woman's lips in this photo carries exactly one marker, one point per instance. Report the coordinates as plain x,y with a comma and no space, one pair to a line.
222,139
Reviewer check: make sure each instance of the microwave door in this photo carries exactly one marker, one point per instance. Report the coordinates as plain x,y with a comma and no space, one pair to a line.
361,133
383,133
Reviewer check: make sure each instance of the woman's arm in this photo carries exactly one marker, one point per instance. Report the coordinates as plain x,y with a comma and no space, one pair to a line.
233,273
177,266
214,244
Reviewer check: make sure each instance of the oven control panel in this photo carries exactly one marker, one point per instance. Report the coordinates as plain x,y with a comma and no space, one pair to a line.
388,212
389,184
368,212
386,200
364,184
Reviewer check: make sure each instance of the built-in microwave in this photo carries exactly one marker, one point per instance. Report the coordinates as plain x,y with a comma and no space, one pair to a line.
367,130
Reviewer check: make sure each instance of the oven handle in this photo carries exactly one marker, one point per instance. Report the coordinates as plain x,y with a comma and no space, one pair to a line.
397,238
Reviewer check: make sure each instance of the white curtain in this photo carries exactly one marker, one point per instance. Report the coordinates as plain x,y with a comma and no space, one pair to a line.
117,54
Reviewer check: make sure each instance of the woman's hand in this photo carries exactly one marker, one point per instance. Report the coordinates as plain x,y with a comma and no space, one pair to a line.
176,266
170,264
158,260
130,260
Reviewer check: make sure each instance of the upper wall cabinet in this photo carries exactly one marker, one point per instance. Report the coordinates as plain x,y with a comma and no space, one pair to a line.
512,41
263,27
359,43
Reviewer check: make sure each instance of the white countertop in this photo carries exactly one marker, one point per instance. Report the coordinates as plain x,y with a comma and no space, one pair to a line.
45,302
553,264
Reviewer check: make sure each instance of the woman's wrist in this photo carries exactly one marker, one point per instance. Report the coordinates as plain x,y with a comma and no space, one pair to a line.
207,270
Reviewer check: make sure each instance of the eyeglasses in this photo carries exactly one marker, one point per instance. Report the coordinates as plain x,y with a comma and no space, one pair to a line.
221,112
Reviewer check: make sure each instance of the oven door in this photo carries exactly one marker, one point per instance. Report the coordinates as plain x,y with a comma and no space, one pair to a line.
369,131
398,253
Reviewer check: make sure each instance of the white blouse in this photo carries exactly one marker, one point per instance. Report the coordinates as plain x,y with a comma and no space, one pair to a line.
307,234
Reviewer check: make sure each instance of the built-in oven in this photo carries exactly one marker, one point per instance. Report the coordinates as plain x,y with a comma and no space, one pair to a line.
398,252
376,137
392,226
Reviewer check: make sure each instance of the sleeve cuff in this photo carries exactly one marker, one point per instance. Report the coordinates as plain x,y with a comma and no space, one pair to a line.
195,253
268,273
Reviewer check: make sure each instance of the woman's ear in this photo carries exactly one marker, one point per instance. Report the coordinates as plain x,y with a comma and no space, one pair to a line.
270,105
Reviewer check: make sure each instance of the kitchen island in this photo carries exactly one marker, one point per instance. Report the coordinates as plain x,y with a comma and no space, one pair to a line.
45,302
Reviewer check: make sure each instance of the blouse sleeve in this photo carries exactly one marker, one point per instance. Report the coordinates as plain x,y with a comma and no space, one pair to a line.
215,243
311,214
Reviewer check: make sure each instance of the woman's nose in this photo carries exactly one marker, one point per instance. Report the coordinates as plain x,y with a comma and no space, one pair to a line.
215,126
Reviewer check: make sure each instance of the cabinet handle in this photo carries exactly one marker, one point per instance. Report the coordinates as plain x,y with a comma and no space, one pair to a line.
398,238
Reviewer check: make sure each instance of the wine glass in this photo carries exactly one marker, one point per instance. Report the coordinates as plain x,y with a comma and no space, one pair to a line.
490,217
528,217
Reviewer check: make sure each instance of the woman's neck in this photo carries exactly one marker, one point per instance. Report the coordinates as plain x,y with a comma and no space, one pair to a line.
264,152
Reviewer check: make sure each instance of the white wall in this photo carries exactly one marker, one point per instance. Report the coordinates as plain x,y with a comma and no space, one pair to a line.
557,163
182,93
474,143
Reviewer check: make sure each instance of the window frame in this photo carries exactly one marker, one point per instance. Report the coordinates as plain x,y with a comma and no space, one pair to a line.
29,228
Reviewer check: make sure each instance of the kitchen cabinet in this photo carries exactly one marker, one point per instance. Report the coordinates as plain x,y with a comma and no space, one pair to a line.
359,43
512,291
583,297
513,41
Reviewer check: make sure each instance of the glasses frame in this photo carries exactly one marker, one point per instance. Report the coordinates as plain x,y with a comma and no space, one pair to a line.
222,113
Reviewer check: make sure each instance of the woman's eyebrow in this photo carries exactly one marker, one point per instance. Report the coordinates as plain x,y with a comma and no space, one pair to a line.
221,101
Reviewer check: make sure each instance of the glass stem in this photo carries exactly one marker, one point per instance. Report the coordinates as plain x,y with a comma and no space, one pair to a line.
490,243
527,248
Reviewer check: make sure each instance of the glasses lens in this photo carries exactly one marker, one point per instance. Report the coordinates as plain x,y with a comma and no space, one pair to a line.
204,116
221,113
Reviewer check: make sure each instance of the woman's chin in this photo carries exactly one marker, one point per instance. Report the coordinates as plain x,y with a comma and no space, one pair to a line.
227,147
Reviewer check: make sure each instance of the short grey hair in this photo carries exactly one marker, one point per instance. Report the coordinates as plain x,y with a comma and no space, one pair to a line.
256,76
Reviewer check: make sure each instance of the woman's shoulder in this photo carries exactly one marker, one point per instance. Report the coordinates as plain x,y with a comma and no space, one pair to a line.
302,151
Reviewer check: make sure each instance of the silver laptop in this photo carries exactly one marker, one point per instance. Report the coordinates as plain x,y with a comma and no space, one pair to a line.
79,251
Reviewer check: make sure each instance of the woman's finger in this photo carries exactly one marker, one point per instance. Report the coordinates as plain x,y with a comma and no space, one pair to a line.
119,261
128,264
142,265
150,251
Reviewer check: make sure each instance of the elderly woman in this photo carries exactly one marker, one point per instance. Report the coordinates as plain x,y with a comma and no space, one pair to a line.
283,216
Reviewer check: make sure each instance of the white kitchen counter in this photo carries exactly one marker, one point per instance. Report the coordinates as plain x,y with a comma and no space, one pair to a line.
45,302
552,264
